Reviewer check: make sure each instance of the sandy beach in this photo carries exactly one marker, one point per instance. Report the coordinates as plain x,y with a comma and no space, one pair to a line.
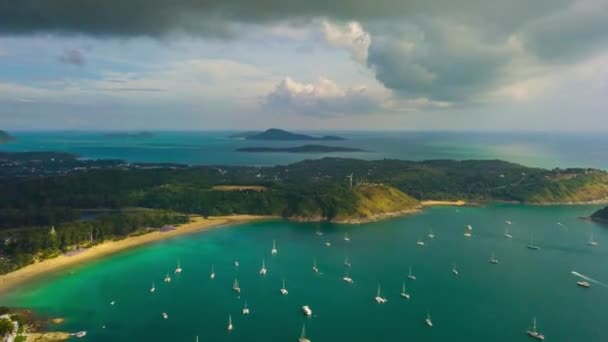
458,203
33,271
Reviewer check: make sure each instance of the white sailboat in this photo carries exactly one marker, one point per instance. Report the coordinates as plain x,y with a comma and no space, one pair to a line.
303,335
592,242
274,248
314,266
431,234
532,332
153,288
493,259
469,231
235,287
379,299
410,275
283,289
167,278
346,262
212,275
420,242
230,326
507,234
347,278
532,245
236,263
307,311
583,283
428,320
346,237
327,244
178,270
508,222
246,309
263,270
404,293
165,316
455,270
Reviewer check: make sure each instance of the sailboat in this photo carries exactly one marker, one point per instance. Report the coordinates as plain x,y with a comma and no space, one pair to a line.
431,234
263,270
379,299
319,232
167,278
236,263
307,311
532,332
153,288
283,289
455,270
508,222
411,276
165,316
346,238
583,283
420,242
469,231
212,275
493,259
274,248
303,335
532,245
507,234
592,242
404,294
230,326
178,270
428,320
314,266
346,278
236,287
327,244
346,262
246,309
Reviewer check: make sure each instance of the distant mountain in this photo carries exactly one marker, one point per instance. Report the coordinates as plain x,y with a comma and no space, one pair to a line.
279,134
5,137
600,215
244,135
300,149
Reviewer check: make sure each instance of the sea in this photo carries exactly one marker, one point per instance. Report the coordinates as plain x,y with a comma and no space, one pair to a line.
110,298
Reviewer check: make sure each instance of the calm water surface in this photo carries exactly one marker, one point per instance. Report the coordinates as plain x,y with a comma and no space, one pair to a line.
485,303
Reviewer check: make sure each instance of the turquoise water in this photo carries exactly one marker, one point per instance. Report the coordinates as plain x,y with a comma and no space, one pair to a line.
485,303
532,149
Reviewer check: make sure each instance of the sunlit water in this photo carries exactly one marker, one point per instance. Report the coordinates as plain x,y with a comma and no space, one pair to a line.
486,302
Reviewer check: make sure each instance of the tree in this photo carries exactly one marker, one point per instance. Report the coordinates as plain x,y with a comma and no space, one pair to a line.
6,327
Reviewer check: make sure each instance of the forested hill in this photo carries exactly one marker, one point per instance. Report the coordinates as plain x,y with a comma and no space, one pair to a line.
601,215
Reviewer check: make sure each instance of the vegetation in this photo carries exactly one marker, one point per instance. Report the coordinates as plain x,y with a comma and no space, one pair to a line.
5,137
279,134
300,149
20,247
6,327
308,190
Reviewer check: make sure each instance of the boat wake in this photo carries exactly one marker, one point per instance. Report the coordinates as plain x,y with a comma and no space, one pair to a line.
588,279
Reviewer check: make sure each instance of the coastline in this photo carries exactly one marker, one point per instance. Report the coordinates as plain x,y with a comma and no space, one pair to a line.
432,203
31,272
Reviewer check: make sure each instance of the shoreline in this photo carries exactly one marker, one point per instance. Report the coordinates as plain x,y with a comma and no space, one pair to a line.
432,203
38,270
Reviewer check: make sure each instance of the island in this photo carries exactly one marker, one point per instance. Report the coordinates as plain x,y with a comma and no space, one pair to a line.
46,201
600,216
301,149
5,137
279,134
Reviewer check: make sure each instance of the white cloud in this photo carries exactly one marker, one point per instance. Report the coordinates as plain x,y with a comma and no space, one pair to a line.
350,36
323,98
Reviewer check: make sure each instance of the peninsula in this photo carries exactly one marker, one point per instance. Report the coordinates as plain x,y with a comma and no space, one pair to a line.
600,216
279,134
5,137
300,149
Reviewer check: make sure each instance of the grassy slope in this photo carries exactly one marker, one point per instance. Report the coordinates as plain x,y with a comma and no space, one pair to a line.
377,200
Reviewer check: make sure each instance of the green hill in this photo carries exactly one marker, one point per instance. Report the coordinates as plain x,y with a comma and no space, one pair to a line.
600,215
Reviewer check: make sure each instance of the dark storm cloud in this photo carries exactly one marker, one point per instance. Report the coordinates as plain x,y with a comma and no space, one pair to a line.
214,17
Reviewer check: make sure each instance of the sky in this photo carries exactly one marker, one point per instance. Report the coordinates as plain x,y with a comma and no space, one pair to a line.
304,64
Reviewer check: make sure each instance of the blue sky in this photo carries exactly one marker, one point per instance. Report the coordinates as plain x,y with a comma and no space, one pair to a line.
399,65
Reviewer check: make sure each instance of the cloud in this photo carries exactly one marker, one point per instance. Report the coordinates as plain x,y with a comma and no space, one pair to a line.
350,36
323,98
72,57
